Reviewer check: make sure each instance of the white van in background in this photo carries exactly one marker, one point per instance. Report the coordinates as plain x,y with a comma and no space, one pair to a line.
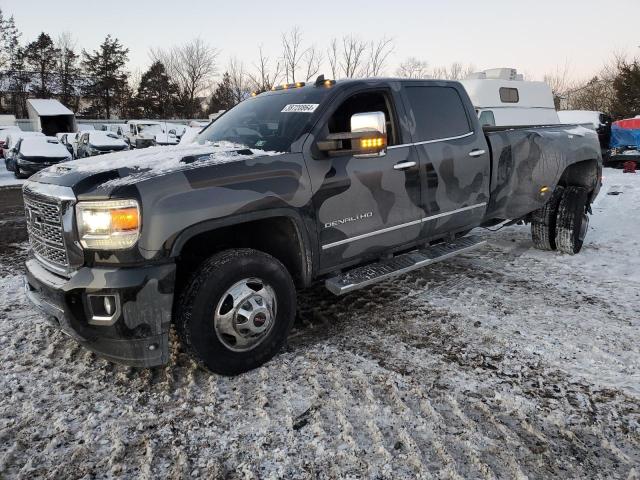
502,98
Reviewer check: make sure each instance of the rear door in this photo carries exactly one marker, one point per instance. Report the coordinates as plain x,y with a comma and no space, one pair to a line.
454,156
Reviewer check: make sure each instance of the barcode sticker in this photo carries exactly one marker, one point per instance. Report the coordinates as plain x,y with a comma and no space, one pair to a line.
300,108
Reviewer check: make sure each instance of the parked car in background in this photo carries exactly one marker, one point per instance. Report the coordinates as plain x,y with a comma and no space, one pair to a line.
118,128
10,141
66,139
176,129
147,133
100,142
599,121
4,131
32,154
501,97
73,140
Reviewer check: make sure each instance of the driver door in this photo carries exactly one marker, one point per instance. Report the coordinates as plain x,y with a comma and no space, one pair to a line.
365,204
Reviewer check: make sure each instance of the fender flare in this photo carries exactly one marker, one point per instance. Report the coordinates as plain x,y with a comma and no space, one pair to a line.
307,248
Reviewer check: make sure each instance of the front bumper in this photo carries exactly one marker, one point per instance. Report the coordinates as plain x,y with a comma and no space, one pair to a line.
139,335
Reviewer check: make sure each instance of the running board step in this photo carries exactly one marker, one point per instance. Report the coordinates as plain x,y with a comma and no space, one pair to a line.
367,275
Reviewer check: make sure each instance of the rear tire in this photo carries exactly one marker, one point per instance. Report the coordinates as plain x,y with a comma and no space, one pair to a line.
236,311
543,222
572,221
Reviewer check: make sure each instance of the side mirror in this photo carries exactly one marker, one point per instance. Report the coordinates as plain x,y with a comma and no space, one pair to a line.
368,137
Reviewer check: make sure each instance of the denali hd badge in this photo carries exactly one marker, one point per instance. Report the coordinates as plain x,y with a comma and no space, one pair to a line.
300,108
342,221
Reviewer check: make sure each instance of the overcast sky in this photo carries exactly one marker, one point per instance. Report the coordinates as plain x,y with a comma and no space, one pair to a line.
535,36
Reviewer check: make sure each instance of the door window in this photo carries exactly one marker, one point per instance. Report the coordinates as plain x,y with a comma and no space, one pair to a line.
364,102
439,113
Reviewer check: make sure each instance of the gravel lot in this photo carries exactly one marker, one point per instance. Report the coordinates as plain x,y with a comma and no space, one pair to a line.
504,363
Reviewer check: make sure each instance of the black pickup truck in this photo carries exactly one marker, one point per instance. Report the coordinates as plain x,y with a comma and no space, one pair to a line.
350,182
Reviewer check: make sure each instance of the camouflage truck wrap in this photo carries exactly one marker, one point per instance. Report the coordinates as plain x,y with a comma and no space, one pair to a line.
293,175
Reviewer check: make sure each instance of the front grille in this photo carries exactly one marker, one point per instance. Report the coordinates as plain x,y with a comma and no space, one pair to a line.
44,225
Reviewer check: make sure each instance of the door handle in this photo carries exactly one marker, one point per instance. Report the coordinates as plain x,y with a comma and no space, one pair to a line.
404,165
476,153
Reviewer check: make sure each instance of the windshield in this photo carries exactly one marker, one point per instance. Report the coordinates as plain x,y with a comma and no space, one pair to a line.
269,122
153,128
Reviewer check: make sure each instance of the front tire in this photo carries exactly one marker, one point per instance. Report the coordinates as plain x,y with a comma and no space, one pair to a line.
543,222
236,311
572,221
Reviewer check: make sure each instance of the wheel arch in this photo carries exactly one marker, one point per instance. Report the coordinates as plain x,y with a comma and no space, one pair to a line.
585,173
279,232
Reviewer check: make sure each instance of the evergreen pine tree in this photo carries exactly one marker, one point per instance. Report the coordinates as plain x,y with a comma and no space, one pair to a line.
42,56
106,77
157,94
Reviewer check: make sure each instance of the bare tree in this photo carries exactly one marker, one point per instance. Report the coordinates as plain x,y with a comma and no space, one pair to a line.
378,54
333,55
265,77
240,81
353,50
560,82
192,66
413,68
455,71
292,52
312,60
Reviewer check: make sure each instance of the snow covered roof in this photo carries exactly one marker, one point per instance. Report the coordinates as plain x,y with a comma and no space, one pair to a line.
42,147
48,107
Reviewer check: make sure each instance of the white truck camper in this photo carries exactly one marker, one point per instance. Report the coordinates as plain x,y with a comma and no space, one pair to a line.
502,97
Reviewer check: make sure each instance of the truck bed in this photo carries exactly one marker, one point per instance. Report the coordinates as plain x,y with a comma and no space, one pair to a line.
525,159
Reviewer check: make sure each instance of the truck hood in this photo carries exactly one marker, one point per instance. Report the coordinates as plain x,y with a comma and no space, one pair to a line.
100,176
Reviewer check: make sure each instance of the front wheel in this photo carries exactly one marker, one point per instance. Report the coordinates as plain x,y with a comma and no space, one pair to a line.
572,221
236,311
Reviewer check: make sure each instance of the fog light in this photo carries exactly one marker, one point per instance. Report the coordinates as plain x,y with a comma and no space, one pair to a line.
103,309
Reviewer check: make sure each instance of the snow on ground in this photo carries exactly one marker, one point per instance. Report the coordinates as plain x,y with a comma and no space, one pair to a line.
503,363
7,178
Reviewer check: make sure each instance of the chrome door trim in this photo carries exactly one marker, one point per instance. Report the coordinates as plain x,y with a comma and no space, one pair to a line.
431,141
402,225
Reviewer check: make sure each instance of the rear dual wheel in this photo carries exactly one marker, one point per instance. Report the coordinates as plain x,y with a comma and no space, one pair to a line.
572,220
562,222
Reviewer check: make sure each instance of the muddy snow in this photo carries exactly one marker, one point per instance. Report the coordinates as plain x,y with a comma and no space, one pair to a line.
503,363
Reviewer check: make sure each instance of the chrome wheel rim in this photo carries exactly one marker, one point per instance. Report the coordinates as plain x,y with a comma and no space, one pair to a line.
245,314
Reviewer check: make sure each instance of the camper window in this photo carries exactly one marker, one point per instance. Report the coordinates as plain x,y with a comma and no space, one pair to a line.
509,95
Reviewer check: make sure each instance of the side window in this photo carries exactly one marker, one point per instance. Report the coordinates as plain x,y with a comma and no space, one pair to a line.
132,128
364,102
509,95
439,113
487,119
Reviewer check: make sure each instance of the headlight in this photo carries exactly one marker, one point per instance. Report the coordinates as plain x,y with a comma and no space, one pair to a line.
108,225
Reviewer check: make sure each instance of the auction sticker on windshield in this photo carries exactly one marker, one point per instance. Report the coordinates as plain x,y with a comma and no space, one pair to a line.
300,108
